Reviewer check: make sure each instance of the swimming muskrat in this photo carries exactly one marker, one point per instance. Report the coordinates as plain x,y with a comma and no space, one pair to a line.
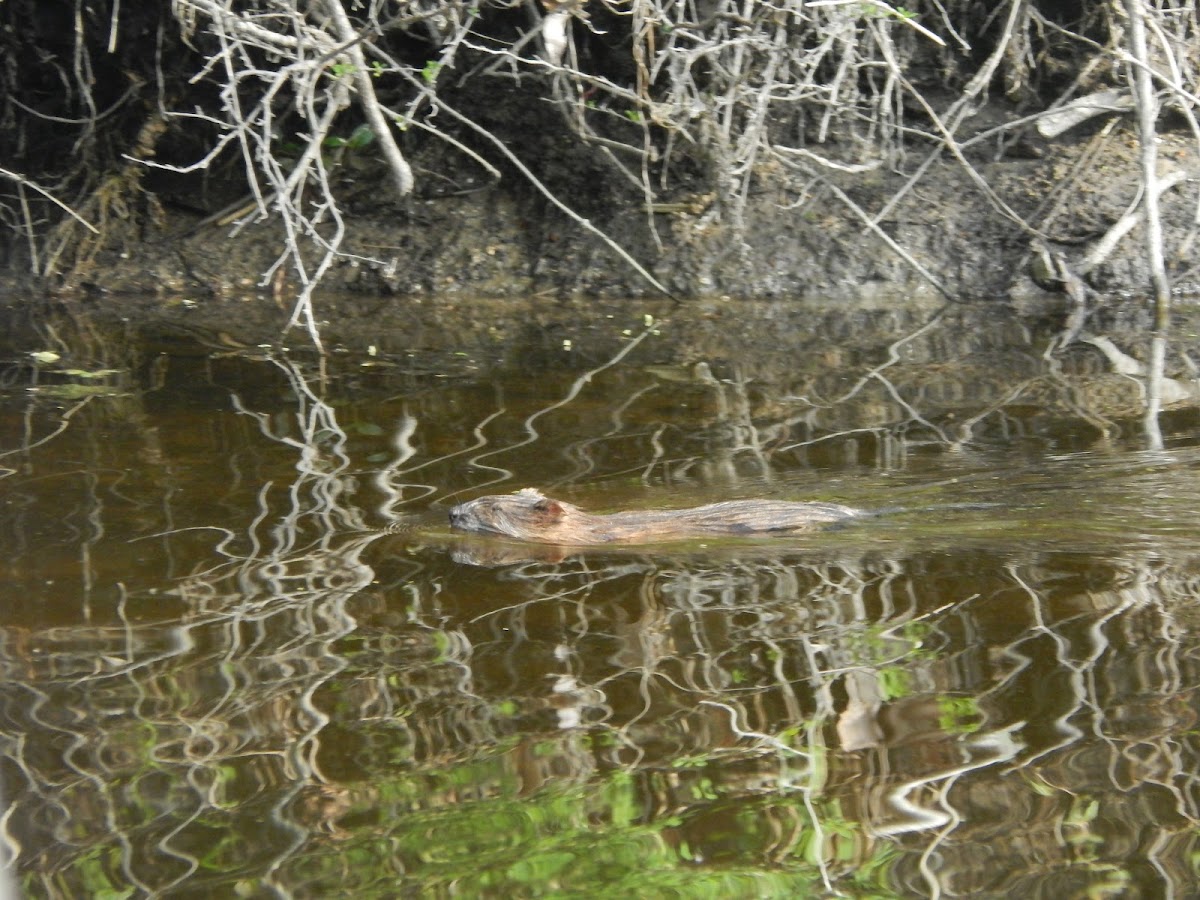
529,515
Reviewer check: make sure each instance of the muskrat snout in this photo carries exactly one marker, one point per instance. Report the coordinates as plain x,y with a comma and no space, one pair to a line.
460,517
525,514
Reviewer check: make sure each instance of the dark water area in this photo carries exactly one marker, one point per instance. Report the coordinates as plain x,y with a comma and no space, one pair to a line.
243,654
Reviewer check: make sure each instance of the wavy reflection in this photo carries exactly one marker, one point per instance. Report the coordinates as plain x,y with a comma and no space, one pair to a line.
243,654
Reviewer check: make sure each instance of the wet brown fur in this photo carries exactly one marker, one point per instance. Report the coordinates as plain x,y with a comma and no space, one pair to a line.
528,515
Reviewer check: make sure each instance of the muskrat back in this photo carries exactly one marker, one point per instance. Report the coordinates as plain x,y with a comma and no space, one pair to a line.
529,515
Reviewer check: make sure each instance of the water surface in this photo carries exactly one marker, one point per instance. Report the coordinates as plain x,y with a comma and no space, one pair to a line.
244,655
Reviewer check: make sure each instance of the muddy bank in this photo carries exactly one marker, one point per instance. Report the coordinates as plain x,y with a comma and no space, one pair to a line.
534,182
799,241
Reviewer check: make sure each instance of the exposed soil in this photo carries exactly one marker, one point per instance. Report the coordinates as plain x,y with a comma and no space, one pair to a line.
462,241
956,232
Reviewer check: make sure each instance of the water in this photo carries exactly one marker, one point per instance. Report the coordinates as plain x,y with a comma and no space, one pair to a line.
243,654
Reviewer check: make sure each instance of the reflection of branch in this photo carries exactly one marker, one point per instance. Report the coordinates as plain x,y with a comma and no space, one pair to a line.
576,387
1078,667
581,450
893,357
768,741
910,409
64,421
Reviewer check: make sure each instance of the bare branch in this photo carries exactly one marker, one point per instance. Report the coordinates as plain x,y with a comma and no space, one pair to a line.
401,172
25,182
1147,112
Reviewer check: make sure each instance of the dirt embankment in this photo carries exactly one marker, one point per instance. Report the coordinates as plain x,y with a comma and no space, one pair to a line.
553,178
925,226
945,233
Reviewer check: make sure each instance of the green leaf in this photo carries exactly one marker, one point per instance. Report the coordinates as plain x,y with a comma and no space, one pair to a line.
362,136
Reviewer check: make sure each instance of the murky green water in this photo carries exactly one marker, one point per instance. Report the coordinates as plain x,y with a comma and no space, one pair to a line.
243,655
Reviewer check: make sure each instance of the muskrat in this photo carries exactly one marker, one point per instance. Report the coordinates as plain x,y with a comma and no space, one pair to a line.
529,515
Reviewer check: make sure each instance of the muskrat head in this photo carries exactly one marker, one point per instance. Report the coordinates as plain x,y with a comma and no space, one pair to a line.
526,515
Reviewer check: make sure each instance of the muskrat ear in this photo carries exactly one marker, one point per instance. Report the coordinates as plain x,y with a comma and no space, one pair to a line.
548,509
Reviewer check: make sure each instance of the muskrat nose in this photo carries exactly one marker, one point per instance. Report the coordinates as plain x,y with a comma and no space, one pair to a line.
455,515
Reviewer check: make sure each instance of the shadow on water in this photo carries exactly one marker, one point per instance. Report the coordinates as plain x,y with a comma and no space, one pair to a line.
243,653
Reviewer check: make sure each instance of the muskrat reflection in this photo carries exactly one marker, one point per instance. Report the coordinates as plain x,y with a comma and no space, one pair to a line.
529,515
